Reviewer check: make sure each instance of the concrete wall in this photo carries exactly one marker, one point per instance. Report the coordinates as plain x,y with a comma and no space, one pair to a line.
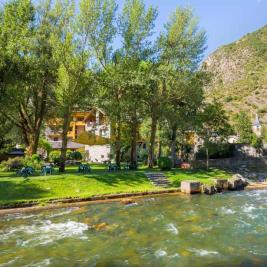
98,153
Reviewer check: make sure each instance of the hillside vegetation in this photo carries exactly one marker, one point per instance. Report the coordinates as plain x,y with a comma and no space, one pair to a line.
239,75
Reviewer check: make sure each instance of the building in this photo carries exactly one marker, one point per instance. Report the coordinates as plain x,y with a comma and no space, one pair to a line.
256,126
92,121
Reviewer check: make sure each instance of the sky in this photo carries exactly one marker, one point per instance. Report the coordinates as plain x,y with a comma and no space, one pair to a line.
225,21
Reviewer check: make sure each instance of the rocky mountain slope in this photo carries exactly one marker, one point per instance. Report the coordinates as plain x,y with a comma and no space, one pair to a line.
239,75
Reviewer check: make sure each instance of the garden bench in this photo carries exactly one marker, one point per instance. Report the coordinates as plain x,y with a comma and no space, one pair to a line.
84,168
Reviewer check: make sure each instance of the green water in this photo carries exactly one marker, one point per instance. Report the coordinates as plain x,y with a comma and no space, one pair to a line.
221,230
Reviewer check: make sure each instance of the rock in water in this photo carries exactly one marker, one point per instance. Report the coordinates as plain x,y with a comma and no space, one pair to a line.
220,184
208,189
237,182
191,187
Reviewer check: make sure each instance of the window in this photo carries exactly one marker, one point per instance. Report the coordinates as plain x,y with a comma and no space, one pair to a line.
55,138
80,118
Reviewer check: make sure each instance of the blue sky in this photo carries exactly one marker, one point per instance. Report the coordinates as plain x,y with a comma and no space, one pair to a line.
224,20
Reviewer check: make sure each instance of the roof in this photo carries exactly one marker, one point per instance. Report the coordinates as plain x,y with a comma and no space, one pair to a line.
16,152
70,145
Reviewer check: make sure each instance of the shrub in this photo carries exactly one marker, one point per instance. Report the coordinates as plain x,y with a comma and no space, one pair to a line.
164,163
35,158
34,161
257,143
54,156
69,154
45,145
12,164
76,155
142,155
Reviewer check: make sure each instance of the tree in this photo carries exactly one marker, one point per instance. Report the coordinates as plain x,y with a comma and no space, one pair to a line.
181,47
136,25
243,127
214,127
257,143
87,37
28,65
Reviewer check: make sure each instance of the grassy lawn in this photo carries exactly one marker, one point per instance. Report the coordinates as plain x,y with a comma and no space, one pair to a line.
99,181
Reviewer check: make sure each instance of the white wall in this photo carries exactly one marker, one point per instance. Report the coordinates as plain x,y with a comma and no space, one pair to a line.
98,153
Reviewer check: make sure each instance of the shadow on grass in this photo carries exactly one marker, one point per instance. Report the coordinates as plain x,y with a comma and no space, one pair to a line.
178,175
14,192
112,178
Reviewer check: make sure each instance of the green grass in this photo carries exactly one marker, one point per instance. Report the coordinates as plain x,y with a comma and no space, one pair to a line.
204,176
15,189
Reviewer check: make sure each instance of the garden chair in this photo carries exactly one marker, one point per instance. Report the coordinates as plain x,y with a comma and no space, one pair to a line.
126,167
26,171
84,168
47,170
113,167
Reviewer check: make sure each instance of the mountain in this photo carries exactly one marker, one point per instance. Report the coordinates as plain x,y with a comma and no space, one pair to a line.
239,75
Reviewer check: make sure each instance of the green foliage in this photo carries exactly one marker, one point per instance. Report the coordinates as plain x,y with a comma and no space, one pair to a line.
243,127
76,155
45,145
68,154
164,163
33,161
257,143
54,156
214,124
217,151
245,85
142,155
35,158
12,164
264,133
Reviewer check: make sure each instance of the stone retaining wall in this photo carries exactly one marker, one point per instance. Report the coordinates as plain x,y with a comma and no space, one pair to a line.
232,163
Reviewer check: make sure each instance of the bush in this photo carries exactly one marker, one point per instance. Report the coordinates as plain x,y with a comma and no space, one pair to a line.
76,155
35,158
164,163
142,155
55,156
69,154
12,164
34,161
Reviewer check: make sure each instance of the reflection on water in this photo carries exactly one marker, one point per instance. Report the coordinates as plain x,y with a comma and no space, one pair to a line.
222,230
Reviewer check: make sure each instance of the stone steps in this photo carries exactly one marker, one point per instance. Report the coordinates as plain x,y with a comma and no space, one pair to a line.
158,179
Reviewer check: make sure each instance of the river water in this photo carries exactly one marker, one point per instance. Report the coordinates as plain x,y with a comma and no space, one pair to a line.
222,230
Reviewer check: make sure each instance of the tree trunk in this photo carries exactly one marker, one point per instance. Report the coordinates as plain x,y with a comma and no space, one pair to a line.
159,148
151,158
207,158
159,143
33,142
118,144
64,137
173,147
133,146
